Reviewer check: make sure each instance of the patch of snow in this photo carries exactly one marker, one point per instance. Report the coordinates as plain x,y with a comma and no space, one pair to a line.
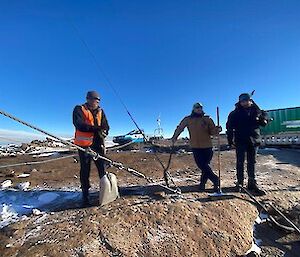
24,185
37,212
48,150
270,149
23,175
109,143
27,206
7,215
43,155
262,217
19,202
254,248
6,184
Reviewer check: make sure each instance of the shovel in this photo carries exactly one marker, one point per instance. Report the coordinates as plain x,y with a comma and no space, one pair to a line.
219,194
108,189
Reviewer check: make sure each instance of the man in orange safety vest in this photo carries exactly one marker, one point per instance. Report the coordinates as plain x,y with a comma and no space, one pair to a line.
91,129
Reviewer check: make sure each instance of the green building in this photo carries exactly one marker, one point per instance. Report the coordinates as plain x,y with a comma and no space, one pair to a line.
285,121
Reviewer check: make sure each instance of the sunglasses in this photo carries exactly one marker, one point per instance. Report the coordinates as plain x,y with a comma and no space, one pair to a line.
95,98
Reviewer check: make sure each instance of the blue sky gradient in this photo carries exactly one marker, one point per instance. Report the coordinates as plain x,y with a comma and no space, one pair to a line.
161,56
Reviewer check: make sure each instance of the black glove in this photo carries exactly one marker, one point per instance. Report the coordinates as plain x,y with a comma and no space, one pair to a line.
103,133
263,118
97,128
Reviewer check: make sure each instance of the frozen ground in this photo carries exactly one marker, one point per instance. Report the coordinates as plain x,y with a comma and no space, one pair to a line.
199,226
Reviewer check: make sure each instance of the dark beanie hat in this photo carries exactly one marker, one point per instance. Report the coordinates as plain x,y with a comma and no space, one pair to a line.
197,105
92,94
244,97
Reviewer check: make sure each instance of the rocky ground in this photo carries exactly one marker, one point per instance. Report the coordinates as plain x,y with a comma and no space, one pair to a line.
146,221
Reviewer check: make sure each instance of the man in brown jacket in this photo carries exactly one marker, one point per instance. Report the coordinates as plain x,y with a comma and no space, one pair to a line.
201,128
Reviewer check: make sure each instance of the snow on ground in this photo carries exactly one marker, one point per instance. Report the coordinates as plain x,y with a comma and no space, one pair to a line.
15,203
269,149
7,215
109,143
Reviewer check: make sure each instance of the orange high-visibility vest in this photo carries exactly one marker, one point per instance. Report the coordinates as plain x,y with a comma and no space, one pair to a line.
85,139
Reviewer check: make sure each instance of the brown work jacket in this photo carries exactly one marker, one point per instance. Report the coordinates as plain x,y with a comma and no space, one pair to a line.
201,129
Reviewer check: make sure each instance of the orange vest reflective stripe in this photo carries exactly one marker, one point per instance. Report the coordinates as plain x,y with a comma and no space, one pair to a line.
85,139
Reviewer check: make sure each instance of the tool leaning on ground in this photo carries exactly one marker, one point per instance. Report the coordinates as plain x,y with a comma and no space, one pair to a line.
219,194
110,193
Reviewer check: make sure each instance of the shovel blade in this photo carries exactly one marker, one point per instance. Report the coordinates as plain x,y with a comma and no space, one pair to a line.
220,195
108,189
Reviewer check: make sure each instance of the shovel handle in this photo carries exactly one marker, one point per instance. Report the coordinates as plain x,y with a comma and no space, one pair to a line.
219,147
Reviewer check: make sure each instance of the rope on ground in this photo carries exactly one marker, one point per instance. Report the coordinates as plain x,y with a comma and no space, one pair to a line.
167,176
271,219
285,218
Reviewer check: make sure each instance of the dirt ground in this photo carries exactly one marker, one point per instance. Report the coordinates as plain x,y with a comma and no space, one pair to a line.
148,222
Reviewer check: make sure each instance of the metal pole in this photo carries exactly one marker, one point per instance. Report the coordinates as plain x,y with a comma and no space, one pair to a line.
219,149
219,194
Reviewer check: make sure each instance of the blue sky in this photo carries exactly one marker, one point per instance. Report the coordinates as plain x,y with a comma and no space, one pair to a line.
161,56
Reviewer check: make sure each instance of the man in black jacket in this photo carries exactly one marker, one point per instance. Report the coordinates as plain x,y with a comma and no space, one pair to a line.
243,132
91,124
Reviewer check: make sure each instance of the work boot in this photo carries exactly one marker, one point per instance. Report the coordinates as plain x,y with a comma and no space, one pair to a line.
85,199
202,187
252,186
216,188
85,202
238,187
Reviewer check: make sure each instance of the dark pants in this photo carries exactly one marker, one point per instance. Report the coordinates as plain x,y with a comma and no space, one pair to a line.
241,151
203,157
85,168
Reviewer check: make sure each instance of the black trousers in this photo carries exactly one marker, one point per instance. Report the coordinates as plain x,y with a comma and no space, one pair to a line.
85,168
243,149
202,158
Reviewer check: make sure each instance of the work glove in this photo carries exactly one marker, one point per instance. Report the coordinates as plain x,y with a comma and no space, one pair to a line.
100,130
103,133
